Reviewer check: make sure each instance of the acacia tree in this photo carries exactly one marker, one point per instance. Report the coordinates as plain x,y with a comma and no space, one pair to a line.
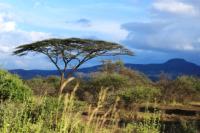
69,54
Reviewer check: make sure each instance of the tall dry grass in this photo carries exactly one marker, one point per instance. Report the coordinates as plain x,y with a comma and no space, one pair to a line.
37,116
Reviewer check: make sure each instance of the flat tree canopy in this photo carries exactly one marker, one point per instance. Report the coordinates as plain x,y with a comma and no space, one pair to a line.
72,49
71,53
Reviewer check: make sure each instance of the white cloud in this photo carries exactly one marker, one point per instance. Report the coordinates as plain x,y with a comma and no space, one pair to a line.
4,49
178,36
173,6
35,36
11,36
108,30
9,40
173,28
6,24
111,29
188,47
4,6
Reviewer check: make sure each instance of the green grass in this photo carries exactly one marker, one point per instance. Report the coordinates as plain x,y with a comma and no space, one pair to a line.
53,115
63,114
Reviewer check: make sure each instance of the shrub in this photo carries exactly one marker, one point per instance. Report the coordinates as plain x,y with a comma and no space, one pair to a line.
142,127
182,89
113,81
41,85
12,87
139,94
55,115
136,77
192,82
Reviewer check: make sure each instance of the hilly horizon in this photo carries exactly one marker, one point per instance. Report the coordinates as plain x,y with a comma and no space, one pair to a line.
173,68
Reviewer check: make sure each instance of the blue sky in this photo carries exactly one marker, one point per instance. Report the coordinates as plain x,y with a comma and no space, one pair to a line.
156,30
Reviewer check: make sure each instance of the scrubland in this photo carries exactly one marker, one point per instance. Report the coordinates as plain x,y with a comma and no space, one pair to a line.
114,100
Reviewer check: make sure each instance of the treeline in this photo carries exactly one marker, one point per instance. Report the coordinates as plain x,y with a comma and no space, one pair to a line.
129,85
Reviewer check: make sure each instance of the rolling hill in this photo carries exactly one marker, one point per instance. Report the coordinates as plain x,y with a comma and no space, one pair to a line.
173,67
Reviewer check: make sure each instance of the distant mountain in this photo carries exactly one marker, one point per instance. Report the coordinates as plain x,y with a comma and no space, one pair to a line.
174,68
28,74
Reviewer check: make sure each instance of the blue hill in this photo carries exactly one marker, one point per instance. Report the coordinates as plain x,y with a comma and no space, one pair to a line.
173,67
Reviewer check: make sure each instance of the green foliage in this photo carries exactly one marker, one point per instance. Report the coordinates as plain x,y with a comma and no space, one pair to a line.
189,127
112,81
41,85
90,88
52,103
63,53
50,115
119,80
184,89
139,94
63,114
77,45
189,82
11,87
135,77
150,124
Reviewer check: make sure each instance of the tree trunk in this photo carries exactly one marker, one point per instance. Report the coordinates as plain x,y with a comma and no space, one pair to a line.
64,81
62,78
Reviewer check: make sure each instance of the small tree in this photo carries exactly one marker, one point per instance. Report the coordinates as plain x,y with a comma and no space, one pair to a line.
69,54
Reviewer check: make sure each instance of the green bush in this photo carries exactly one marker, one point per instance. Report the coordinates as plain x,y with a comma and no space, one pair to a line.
189,82
51,104
112,81
90,88
139,94
41,85
12,87
184,89
136,77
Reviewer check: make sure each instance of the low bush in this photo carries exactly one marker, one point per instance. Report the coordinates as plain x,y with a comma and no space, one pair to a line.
41,85
90,88
55,115
112,81
12,87
139,94
184,89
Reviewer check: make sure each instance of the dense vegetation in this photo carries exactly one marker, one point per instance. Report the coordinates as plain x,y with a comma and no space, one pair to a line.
11,87
131,86
99,102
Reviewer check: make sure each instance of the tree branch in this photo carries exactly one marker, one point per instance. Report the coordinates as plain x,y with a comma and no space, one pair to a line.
55,63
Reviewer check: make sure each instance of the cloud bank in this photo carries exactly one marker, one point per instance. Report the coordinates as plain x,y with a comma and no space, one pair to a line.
11,36
173,28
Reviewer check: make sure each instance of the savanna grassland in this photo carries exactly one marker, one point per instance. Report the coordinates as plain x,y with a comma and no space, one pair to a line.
114,100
